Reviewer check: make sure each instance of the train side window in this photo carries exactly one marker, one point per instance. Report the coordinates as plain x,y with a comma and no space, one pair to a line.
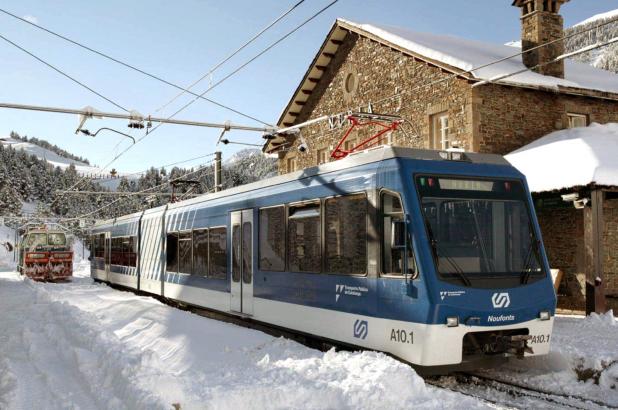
392,256
116,256
247,262
217,253
200,252
100,246
304,238
184,252
346,234
129,251
272,239
236,252
172,252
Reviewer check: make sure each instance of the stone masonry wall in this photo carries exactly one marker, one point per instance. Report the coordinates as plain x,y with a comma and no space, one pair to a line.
510,117
381,72
563,236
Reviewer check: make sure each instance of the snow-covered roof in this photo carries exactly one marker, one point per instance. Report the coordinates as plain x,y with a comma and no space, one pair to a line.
570,158
450,53
467,54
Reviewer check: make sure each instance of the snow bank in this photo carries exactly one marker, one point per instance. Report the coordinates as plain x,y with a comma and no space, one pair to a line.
570,158
6,257
468,54
583,360
89,346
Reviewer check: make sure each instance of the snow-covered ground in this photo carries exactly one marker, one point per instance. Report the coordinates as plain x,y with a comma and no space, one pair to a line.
87,346
83,345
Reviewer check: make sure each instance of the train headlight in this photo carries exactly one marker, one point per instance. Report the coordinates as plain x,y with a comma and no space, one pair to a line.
452,321
544,315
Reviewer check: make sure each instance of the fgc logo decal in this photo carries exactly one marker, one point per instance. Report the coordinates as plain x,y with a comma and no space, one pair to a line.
501,300
361,329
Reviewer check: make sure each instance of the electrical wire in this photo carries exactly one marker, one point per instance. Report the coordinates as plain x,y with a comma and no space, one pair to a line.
59,71
201,168
161,166
230,56
261,53
139,70
210,88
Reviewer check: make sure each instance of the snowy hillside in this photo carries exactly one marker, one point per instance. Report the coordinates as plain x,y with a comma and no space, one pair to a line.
49,156
605,57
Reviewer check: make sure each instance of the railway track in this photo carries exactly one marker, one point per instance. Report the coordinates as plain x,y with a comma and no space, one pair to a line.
512,395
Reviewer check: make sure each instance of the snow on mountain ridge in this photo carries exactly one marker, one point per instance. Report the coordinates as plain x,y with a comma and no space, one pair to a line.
47,155
596,17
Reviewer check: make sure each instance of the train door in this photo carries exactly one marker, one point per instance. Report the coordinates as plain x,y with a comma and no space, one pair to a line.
241,295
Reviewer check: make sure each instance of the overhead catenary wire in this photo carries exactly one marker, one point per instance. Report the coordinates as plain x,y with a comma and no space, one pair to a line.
59,71
201,168
230,56
251,60
288,34
132,67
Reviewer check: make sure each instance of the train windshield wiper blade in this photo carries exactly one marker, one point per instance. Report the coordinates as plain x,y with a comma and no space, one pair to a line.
533,249
434,251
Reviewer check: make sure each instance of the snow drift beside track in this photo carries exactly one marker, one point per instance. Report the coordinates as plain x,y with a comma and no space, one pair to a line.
89,346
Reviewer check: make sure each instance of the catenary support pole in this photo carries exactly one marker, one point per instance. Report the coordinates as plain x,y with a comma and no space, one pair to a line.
217,171
593,239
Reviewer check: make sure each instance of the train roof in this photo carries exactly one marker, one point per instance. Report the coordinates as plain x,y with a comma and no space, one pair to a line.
373,155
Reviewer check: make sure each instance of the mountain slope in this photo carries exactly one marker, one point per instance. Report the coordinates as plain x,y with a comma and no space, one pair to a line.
605,57
49,156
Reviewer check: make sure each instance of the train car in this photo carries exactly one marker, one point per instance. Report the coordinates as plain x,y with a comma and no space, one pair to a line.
45,254
433,257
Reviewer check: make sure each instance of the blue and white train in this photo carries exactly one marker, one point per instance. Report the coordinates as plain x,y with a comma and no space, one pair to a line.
433,257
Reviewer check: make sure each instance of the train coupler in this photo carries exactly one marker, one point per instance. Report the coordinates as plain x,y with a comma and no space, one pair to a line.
510,345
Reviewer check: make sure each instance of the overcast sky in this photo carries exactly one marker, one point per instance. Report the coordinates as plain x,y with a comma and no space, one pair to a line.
180,41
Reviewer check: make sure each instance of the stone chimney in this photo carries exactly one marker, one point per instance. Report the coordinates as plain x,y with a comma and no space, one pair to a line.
540,24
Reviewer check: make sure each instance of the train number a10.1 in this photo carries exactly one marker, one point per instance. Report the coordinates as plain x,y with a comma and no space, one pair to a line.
535,339
402,336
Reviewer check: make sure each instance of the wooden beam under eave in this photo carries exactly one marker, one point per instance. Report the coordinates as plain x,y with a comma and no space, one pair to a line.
313,80
288,124
320,67
329,55
336,42
307,92
300,102
294,114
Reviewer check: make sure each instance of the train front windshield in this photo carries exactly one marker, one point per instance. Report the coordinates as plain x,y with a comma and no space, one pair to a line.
480,231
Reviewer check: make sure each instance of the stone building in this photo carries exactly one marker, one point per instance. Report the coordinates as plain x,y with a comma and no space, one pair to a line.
448,91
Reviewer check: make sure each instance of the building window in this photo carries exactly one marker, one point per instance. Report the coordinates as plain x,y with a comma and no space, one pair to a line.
322,156
217,253
346,234
272,239
304,238
577,120
440,131
291,164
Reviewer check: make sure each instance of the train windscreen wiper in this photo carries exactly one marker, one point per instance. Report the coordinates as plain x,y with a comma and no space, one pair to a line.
533,249
434,251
